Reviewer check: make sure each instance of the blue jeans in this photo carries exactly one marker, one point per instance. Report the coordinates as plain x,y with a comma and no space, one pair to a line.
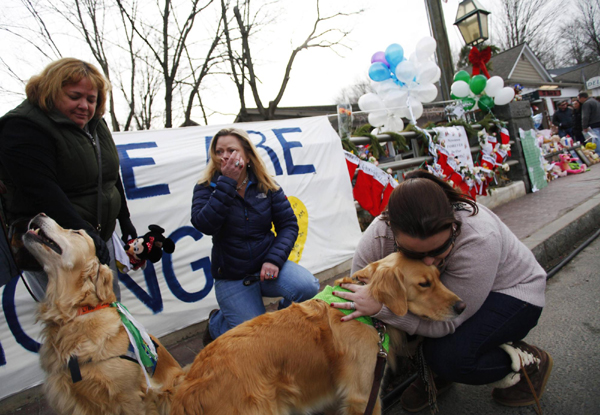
239,303
471,354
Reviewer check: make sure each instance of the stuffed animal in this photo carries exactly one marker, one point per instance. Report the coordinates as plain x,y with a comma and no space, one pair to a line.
591,155
564,160
149,247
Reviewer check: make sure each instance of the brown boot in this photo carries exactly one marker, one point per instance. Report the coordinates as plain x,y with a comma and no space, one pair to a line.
528,362
416,398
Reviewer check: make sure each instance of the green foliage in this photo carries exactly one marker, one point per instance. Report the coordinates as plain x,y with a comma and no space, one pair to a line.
349,145
399,141
374,146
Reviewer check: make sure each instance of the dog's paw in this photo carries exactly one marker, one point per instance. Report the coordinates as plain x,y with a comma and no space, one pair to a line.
345,280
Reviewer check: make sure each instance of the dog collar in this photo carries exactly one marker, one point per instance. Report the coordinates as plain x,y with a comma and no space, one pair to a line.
327,296
88,309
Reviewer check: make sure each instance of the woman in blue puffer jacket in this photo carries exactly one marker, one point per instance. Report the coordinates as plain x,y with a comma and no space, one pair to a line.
236,201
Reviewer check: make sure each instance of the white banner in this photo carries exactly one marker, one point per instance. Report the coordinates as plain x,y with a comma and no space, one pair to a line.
159,170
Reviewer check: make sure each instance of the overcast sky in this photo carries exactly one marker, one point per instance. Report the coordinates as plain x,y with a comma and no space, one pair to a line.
318,75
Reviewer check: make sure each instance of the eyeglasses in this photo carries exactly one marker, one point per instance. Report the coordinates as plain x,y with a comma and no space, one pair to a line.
432,254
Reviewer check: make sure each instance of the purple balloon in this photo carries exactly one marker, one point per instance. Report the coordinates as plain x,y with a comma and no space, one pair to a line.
379,57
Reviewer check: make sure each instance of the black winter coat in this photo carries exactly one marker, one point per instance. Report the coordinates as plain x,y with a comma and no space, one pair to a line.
241,227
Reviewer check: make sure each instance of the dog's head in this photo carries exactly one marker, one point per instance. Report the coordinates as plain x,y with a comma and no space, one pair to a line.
404,284
75,275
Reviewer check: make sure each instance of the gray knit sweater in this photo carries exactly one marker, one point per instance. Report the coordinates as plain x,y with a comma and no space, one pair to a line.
486,257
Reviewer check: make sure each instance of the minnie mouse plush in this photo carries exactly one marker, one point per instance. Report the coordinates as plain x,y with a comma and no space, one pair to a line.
149,247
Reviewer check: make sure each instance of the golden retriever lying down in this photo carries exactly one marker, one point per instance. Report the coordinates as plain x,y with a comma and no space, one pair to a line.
77,280
303,358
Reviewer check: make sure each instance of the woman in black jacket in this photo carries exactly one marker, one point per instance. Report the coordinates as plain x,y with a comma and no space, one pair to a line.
50,149
237,202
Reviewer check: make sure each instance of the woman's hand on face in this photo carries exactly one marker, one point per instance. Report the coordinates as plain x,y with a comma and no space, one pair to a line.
269,271
364,303
234,166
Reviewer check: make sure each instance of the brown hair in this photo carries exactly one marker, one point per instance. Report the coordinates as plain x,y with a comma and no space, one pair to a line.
44,89
423,205
265,181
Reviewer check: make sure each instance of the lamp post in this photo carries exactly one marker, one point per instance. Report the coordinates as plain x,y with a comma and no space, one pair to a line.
444,57
472,21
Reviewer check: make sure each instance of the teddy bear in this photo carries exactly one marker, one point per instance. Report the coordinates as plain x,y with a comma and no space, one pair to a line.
564,160
148,247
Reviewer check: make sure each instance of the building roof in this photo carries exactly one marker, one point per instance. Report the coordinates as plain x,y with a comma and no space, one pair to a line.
581,73
520,65
561,71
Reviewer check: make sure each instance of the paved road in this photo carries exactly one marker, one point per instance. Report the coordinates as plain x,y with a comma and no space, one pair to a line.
569,330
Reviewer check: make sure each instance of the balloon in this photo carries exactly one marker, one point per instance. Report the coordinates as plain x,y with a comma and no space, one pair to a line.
416,109
494,85
394,54
462,76
378,118
460,89
425,93
486,103
379,72
425,48
504,96
395,98
406,71
478,84
393,123
384,86
379,57
452,96
429,73
370,102
469,103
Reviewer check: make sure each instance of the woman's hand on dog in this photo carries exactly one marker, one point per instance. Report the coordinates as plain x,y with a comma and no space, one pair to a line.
360,298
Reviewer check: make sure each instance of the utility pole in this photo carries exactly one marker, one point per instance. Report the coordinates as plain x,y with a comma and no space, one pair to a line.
444,57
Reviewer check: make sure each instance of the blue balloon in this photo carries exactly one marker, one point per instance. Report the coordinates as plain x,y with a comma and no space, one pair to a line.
379,72
394,54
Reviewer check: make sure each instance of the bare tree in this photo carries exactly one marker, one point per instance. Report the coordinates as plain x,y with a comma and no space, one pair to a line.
167,42
243,67
529,21
351,93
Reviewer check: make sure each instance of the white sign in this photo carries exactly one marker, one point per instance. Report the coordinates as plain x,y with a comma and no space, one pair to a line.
593,83
456,142
159,170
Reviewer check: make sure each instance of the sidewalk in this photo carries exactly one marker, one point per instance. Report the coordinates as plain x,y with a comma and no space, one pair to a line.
550,222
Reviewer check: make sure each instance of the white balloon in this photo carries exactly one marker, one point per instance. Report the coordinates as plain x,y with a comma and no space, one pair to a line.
378,118
494,85
393,124
370,102
425,48
425,93
504,96
416,109
383,86
427,73
459,89
406,71
395,98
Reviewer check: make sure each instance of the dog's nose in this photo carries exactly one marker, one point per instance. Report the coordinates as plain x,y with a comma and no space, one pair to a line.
459,307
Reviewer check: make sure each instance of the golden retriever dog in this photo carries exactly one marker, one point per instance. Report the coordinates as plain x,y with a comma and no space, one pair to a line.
77,281
303,358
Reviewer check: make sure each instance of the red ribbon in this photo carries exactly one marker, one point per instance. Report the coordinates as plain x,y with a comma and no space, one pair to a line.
478,59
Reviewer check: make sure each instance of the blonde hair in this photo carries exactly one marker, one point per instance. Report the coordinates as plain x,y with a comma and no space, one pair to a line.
265,181
44,89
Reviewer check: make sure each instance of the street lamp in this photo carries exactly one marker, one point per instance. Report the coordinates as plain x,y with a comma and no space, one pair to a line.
472,21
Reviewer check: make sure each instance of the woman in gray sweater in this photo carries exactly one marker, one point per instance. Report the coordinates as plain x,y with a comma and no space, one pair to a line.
487,266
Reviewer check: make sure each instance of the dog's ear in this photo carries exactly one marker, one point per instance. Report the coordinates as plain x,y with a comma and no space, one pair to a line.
104,284
387,287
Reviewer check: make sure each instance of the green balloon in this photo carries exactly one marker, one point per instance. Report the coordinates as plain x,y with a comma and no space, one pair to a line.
486,103
452,96
478,83
469,103
462,76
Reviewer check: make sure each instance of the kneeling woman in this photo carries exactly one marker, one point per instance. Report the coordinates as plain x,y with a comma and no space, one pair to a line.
236,201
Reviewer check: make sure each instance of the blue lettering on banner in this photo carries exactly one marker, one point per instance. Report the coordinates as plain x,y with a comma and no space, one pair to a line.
2,357
203,263
270,152
153,298
10,313
287,145
127,165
